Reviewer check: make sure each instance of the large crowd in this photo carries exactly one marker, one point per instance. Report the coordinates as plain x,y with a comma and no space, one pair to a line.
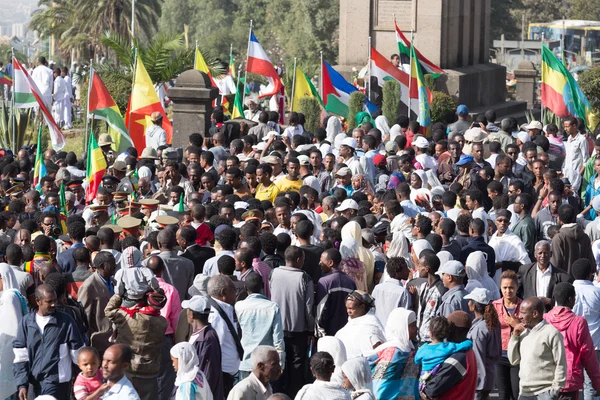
268,262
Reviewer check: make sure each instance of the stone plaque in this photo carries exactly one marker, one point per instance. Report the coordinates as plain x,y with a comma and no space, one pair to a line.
383,14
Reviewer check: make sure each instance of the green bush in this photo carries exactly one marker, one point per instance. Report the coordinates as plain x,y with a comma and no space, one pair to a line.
355,105
590,84
429,81
310,107
441,104
391,100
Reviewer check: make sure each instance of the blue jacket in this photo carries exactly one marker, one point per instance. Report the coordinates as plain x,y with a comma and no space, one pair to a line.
44,358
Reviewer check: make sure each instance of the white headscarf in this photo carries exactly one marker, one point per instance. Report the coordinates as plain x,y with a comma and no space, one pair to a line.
398,246
476,267
444,257
358,372
395,131
9,280
187,368
334,127
144,172
336,349
349,248
419,245
337,141
382,124
421,174
396,328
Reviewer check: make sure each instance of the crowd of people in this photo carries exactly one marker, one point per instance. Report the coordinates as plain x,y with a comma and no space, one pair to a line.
270,262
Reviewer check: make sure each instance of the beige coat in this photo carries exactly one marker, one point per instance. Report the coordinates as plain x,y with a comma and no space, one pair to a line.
94,296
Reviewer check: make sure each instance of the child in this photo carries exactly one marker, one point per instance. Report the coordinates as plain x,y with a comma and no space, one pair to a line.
435,353
88,384
133,280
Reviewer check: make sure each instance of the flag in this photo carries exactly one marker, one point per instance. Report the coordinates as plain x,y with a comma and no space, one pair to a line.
561,94
142,103
95,168
62,198
383,70
180,206
5,79
102,106
303,87
404,49
28,95
200,65
39,168
231,66
336,92
258,63
424,115
238,107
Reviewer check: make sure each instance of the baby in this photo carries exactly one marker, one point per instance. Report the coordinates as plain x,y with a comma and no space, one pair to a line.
133,280
431,355
88,384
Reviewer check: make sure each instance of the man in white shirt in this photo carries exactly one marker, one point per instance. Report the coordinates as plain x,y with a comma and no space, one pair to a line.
390,294
44,80
68,117
509,249
156,136
116,360
61,96
576,150
587,305
222,293
347,150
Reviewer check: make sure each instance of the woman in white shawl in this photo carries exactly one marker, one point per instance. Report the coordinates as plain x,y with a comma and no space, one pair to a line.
444,257
363,332
398,248
322,367
352,230
13,307
334,128
335,347
357,378
351,265
382,124
476,267
190,383
417,248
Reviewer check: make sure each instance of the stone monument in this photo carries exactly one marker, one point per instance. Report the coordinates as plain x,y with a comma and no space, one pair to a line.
192,99
453,34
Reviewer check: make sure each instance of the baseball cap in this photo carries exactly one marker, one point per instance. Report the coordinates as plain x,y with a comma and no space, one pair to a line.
304,160
120,166
421,142
462,110
480,295
271,160
379,159
523,137
155,116
347,204
475,135
197,304
535,125
270,135
464,159
381,227
343,171
350,142
391,147
454,268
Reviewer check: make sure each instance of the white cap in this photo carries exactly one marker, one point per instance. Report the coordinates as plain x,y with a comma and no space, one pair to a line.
241,205
197,304
343,171
350,142
480,295
260,146
420,142
535,125
523,137
347,204
304,160
454,268
269,135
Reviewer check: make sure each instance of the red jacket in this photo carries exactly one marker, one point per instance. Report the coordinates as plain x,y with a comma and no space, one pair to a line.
456,379
505,329
579,347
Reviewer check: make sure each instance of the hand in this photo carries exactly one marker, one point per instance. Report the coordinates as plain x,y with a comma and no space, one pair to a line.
544,191
412,289
511,320
520,328
23,393
104,388
579,216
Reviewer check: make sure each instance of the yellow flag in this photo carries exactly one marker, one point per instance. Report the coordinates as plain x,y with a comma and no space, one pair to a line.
200,64
303,87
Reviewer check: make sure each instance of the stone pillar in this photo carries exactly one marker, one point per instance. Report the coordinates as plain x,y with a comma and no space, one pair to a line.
192,99
526,75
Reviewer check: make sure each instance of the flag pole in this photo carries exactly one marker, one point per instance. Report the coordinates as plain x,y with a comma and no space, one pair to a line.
368,82
135,55
132,22
12,101
87,107
321,76
195,51
246,66
293,85
542,97
410,75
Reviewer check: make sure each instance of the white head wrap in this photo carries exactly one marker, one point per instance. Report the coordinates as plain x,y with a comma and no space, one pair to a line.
396,328
358,372
187,362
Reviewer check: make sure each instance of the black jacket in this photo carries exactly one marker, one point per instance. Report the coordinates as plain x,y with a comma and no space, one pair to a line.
478,244
198,255
528,276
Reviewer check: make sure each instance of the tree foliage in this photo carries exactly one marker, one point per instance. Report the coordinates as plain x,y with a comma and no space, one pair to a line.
589,81
355,105
310,107
391,100
441,104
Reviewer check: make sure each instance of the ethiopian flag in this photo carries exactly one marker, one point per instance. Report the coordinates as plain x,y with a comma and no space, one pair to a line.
424,114
5,79
303,87
238,106
39,168
561,94
102,106
200,65
95,168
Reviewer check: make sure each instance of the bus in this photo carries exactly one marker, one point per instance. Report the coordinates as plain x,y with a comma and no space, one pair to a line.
581,38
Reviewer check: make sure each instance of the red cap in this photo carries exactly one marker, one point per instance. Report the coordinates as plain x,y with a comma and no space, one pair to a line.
379,159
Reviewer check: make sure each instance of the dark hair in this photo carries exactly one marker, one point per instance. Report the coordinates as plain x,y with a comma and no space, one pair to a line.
42,244
430,259
495,186
490,316
268,242
293,253
510,274
226,238
478,226
246,256
254,283
322,365
14,254
226,265
439,328
304,229
435,241
397,268
463,221
253,244
582,269
449,198
102,258
334,255
106,236
57,282
475,195
448,227
424,224
567,214
563,291
81,255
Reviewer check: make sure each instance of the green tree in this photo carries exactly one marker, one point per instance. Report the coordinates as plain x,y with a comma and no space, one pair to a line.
355,105
504,20
584,9
589,81
391,100
441,104
310,107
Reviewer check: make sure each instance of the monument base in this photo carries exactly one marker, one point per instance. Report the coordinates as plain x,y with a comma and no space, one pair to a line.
475,86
